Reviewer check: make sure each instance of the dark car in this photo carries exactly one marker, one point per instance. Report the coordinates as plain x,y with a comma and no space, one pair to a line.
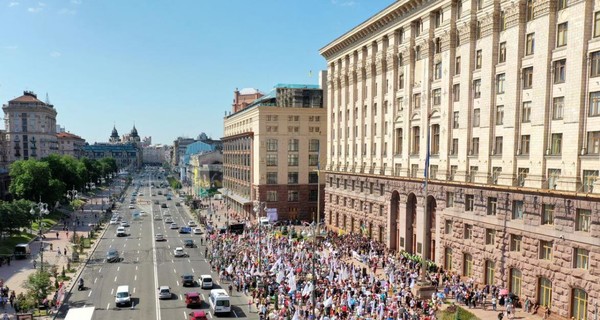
187,280
189,243
112,256
163,205
185,230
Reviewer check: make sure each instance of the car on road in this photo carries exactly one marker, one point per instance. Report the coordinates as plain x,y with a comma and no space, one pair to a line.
121,232
159,237
155,201
124,224
197,231
189,243
192,299
168,220
112,256
177,204
131,206
191,223
185,230
206,281
187,280
157,217
163,205
114,221
179,252
143,213
164,292
167,213
198,315
168,197
174,226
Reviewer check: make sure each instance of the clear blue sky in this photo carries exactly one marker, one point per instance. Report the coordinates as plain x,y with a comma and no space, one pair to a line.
169,67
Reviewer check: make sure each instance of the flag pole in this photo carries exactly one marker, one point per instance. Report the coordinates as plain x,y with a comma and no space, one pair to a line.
425,247
315,231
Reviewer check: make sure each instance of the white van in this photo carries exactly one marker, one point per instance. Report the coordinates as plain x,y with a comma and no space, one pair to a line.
263,221
122,297
219,301
121,232
206,281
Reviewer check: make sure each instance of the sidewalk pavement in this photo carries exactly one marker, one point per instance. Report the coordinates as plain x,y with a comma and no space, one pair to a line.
15,274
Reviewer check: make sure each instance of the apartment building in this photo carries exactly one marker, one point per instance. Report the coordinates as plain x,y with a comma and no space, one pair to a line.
271,152
504,98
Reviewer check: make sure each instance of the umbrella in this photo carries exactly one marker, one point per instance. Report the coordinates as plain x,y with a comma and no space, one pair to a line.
503,292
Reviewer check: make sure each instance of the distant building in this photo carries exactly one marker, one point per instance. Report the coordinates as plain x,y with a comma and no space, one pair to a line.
241,99
205,171
271,151
70,144
155,154
30,127
179,147
127,151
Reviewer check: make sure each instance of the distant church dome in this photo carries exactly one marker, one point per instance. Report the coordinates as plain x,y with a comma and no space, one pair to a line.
134,132
114,133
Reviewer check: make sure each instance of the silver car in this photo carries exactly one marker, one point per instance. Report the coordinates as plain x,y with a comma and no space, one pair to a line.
164,292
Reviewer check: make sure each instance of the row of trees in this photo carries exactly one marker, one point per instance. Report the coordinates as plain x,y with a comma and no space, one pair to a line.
49,179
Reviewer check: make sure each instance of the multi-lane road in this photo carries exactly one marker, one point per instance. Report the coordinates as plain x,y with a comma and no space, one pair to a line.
147,264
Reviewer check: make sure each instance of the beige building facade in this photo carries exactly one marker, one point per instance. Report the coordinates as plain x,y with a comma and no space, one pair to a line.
505,97
271,153
70,144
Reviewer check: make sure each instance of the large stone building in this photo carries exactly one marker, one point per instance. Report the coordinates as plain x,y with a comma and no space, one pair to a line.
127,151
70,144
30,126
271,151
482,86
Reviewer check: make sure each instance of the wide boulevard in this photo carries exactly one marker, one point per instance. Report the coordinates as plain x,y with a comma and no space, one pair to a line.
146,264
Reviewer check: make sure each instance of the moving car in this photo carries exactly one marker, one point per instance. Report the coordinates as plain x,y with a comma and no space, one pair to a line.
168,220
189,243
114,221
197,231
198,315
157,217
177,204
206,281
188,280
122,297
163,205
22,251
185,230
191,223
192,299
124,224
131,206
159,237
121,232
112,255
179,253
164,292
155,201
174,226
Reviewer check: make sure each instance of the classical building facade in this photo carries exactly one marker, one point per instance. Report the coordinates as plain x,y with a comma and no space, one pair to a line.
271,152
30,127
126,151
490,92
70,144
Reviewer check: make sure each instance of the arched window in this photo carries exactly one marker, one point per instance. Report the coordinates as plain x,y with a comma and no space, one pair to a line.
545,292
516,278
579,304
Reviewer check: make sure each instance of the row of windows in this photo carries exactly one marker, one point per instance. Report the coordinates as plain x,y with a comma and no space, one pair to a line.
293,145
272,160
579,297
292,195
313,177
293,118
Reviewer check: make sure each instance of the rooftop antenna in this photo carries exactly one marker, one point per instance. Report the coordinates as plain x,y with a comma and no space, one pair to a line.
47,98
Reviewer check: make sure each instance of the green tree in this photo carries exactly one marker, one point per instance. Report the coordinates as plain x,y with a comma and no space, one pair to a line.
30,179
38,285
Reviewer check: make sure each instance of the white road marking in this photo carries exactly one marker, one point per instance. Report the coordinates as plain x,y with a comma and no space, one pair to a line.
193,270
203,298
139,244
178,283
95,280
175,271
90,294
184,315
116,279
210,315
133,289
235,314
112,292
107,306
118,268
135,278
181,297
136,268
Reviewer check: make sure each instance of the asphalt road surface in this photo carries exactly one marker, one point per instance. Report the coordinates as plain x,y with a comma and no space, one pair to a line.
146,264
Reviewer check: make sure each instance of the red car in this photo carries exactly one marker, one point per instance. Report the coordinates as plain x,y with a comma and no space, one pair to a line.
193,299
198,315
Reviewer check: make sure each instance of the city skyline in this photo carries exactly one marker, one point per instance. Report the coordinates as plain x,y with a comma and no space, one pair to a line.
115,62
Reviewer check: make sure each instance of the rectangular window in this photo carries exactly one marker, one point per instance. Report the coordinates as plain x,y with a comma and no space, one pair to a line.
456,92
594,104
597,24
526,112
478,59
472,173
313,160
517,210
454,150
595,64
530,44
468,231
522,174
271,195
492,204
545,250
476,117
499,115
475,146
456,117
477,88
271,160
583,220
271,144
529,12
561,35
448,226
527,77
399,141
417,100
416,142
292,196
414,170
457,66
582,258
593,145
437,71
498,145
556,147
293,145
271,177
515,243
293,159
589,178
496,172
435,139
449,199
490,236
468,265
502,52
437,97
469,202
553,175
478,30
313,177
561,4
313,145
458,8
500,83
292,177
560,69
453,171
558,104
502,20
548,214
401,81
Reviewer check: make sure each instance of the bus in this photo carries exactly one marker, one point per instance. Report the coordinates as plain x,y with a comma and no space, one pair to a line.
219,301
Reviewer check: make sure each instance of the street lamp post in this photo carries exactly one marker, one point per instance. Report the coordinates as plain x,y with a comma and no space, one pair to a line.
258,207
42,211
